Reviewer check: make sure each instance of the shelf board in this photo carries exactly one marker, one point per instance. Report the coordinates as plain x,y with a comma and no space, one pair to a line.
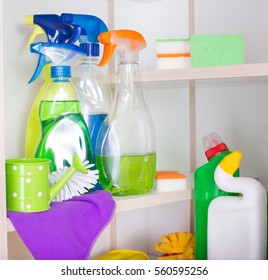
154,198
129,203
205,73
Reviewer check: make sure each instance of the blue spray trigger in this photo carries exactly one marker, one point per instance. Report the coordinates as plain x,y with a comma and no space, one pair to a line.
57,54
42,61
91,25
77,30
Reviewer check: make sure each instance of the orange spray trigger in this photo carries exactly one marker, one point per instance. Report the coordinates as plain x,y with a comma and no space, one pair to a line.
128,41
107,54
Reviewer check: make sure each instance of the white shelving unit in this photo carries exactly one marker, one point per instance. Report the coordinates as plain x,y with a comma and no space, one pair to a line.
241,73
124,204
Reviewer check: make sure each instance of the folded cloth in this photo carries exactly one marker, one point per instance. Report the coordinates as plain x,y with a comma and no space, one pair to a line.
68,230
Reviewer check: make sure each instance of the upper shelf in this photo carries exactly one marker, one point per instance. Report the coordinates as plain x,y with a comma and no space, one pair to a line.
213,72
253,70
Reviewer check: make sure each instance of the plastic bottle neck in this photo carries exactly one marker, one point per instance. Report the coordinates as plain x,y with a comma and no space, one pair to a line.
128,58
126,70
60,73
128,90
90,60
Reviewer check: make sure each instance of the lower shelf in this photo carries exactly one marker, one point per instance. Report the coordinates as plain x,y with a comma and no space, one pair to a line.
129,203
154,198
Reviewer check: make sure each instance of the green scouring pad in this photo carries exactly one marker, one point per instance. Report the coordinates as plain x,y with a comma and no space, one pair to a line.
214,50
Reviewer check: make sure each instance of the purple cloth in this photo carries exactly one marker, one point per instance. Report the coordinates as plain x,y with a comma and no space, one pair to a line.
68,230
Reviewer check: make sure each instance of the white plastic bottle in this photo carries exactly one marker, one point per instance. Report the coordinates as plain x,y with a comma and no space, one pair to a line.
237,225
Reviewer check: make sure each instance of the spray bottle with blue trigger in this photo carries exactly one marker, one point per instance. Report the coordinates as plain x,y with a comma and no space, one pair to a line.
56,32
64,131
94,93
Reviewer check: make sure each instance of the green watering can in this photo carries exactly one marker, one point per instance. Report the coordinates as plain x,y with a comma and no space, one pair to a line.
27,183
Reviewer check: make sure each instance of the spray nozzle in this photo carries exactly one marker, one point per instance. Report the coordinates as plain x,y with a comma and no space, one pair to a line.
91,26
57,54
127,43
51,26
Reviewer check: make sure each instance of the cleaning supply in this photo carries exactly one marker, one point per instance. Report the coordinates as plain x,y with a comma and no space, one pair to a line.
69,230
166,181
123,254
217,49
56,32
94,93
173,53
237,225
125,151
206,189
176,246
64,131
27,183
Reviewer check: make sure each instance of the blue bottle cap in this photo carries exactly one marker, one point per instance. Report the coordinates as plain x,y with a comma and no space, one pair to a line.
91,49
61,71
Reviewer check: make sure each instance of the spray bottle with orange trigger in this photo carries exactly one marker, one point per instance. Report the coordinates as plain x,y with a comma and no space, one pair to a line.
55,32
125,150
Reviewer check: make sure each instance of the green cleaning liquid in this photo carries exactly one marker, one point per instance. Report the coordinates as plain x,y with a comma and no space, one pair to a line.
64,133
127,175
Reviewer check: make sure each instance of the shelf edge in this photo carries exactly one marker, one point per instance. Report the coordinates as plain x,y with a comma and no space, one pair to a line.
204,73
154,199
141,201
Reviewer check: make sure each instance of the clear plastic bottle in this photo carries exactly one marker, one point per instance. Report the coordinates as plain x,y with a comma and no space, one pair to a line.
125,152
95,94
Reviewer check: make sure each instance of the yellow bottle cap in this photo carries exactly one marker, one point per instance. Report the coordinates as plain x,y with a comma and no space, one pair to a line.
231,162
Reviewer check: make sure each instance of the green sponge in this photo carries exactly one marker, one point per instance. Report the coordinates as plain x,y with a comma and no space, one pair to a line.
214,50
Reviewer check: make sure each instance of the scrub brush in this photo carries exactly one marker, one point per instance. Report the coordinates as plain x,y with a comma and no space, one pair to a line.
79,183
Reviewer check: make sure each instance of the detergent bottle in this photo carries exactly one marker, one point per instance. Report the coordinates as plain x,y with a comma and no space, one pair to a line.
205,189
64,131
237,225
125,151
55,32
94,92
